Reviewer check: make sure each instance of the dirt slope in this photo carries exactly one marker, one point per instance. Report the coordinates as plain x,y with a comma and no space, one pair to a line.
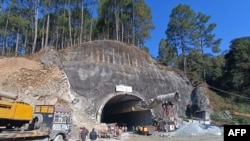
20,74
11,65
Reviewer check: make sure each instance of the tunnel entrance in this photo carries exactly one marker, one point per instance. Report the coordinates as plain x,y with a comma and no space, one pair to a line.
117,110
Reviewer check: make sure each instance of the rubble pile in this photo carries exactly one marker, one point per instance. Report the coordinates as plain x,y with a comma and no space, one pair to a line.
194,128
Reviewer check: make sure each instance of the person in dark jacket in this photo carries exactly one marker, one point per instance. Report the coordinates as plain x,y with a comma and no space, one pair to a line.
93,135
84,133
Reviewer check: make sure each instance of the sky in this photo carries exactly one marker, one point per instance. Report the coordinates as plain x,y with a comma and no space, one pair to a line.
231,16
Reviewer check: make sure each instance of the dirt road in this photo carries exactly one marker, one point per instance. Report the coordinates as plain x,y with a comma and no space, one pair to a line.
135,137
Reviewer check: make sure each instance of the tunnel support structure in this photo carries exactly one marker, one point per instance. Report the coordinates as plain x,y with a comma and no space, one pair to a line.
109,97
134,106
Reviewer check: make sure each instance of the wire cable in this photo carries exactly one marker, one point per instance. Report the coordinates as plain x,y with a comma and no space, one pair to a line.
229,92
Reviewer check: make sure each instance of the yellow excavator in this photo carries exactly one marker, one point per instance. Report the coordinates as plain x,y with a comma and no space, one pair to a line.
14,113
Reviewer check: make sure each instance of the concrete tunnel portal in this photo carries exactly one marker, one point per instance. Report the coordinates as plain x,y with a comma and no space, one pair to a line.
117,110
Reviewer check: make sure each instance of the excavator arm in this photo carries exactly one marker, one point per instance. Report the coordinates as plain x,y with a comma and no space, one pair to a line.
8,95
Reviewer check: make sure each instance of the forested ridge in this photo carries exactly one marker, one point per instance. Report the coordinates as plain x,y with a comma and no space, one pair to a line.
31,26
28,26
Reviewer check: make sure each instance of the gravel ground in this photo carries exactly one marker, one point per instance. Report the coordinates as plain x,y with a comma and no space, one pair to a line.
135,137
188,131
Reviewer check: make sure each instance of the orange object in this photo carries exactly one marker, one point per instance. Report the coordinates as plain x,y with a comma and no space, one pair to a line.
145,129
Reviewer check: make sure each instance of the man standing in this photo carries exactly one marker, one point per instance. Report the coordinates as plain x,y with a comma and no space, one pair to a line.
93,135
84,133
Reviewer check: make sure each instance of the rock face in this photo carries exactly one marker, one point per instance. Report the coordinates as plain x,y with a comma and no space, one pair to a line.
94,70
200,103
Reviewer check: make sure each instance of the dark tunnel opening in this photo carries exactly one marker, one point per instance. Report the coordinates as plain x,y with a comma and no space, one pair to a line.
118,110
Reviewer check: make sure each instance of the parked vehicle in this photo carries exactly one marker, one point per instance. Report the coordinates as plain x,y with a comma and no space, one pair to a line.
20,121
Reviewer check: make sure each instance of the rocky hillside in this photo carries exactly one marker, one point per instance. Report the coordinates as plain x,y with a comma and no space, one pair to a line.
33,82
84,77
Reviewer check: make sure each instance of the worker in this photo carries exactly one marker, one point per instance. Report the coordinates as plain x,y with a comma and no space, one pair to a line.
145,130
137,129
93,135
189,111
84,133
140,129
118,133
126,128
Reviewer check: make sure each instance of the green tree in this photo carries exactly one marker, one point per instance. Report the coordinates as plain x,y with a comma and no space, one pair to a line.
167,54
204,38
180,29
127,20
214,69
48,6
188,34
237,65
142,22
194,66
13,22
36,26
4,22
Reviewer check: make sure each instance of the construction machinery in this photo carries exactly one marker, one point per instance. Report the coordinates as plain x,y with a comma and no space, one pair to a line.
106,130
20,121
166,121
14,114
133,106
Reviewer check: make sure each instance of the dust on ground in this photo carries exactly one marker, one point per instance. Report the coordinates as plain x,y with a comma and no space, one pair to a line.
135,137
129,136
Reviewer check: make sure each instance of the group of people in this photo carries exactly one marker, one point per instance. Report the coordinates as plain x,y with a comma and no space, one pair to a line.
115,130
92,135
124,128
